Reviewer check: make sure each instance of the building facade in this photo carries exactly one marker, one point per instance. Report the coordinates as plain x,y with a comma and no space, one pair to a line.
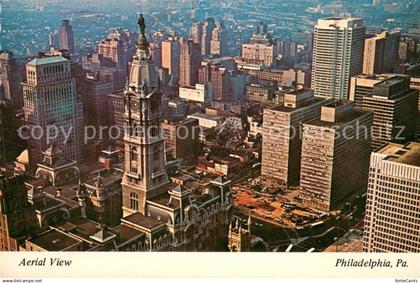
206,36
200,93
182,138
17,216
335,156
392,217
282,136
50,99
66,36
218,43
12,73
394,105
337,55
190,58
381,53
171,56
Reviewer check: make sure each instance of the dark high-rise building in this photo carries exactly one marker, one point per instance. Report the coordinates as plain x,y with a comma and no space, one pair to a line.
282,139
182,139
97,106
17,216
189,63
221,84
381,53
66,36
335,156
206,36
394,106
12,72
116,118
10,144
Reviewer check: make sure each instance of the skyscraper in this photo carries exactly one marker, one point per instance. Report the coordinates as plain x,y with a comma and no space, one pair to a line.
50,101
54,40
337,55
335,156
182,139
218,72
221,84
112,49
381,53
206,36
260,50
392,221
10,144
218,43
362,85
66,36
394,106
282,139
196,33
171,56
189,63
12,72
97,91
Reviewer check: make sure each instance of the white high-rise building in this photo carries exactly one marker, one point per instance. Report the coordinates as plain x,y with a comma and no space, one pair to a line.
337,55
392,221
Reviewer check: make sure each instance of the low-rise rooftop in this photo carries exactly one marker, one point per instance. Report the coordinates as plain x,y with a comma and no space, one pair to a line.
54,240
408,154
141,220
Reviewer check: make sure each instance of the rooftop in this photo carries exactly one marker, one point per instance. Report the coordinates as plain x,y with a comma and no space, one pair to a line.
47,60
54,240
45,203
301,105
340,120
205,116
127,233
142,220
408,154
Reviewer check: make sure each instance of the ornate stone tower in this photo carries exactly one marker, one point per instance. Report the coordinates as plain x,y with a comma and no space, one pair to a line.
239,238
145,175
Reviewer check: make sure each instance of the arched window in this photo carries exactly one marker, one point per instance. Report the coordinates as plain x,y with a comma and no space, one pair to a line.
133,154
154,131
134,202
133,159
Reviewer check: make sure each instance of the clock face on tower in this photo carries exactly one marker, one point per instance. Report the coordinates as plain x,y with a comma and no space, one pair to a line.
134,105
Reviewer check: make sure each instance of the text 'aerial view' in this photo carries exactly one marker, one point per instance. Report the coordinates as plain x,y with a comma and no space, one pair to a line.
210,126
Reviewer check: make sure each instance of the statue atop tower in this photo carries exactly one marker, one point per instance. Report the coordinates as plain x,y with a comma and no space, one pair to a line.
142,24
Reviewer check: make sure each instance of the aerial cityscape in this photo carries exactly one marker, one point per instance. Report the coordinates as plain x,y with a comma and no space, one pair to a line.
198,125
